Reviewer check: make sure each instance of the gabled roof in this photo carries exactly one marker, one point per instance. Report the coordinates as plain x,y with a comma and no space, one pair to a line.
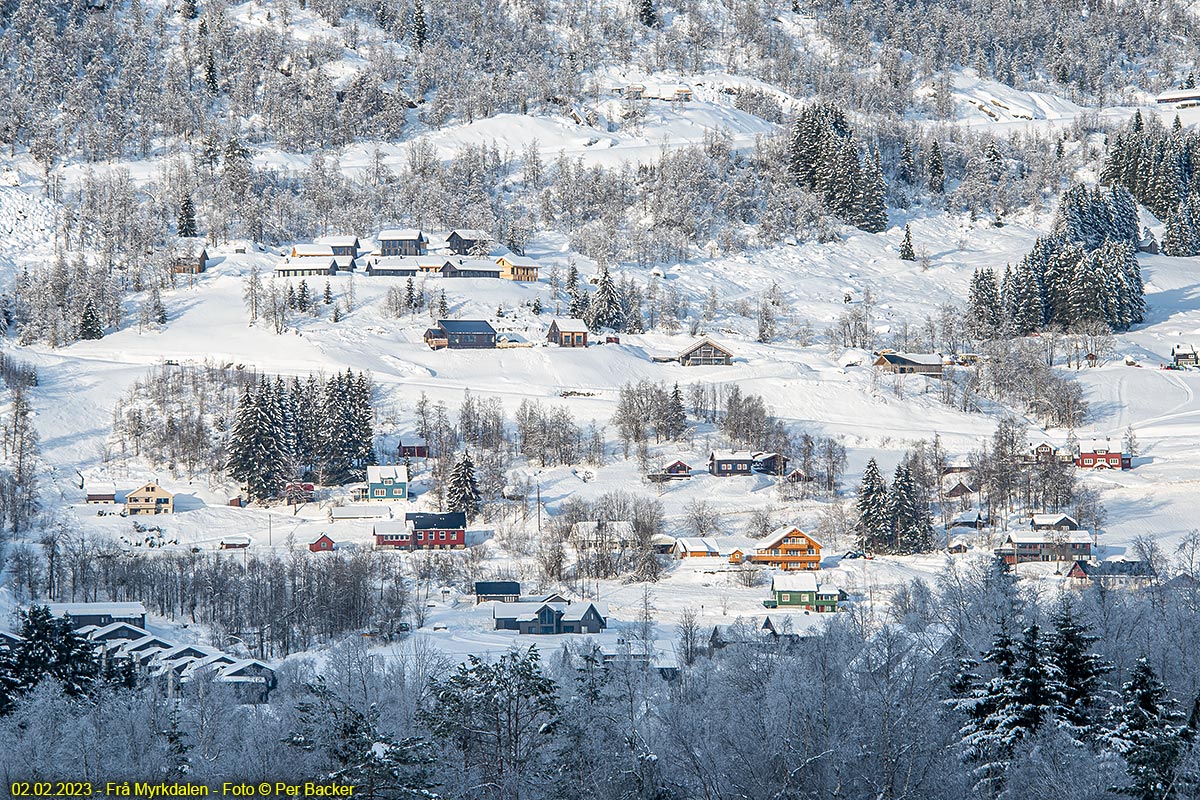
309,250
731,455
1117,568
469,233
450,520
1052,520
794,582
919,359
779,534
153,486
466,326
518,261
971,517
693,544
94,609
1050,537
570,325
338,241
118,630
401,234
474,264
396,472
687,351
410,263
571,612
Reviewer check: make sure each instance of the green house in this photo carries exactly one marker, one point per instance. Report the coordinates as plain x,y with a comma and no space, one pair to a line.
803,590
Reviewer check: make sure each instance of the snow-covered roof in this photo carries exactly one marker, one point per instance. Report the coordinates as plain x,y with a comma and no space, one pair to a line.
924,359
518,261
97,609
390,526
475,264
779,534
470,233
400,234
360,512
693,544
1050,537
1052,520
337,241
570,324
1178,95
310,250
704,340
731,455
529,611
794,582
971,517
395,472
123,627
412,263
306,262
100,487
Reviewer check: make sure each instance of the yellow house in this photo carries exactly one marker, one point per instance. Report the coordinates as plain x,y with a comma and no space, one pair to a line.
149,499
518,268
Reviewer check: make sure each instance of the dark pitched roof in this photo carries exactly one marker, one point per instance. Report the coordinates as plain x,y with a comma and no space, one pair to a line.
466,326
451,520
497,588
1113,569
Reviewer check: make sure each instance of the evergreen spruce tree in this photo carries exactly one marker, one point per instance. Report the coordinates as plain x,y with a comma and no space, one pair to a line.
646,13
419,30
604,309
410,295
1081,671
186,221
187,9
937,170
536,308
871,207
676,415
911,528
158,311
1037,692
327,296
1147,732
210,73
462,493
443,306
983,304
873,515
50,649
906,246
90,326
907,169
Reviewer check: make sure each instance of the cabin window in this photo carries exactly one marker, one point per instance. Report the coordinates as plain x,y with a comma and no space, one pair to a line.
1087,461
786,598
387,481
379,493
442,535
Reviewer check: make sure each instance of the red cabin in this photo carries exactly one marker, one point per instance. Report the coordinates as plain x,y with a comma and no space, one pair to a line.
414,448
322,545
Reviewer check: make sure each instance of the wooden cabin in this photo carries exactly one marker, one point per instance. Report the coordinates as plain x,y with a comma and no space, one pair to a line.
189,258
518,268
403,242
788,548
910,363
568,332
467,241
705,352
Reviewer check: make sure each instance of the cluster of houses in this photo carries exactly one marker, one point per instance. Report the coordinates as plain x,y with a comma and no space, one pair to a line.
404,252
118,631
539,615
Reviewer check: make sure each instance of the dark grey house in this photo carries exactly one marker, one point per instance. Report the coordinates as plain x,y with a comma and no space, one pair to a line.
499,591
462,241
461,334
550,618
471,268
